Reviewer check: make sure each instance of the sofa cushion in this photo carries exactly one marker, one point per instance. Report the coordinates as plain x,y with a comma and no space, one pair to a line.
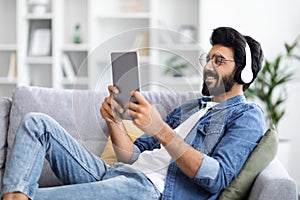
5,104
261,156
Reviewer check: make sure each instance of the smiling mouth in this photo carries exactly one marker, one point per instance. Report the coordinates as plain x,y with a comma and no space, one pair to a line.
209,77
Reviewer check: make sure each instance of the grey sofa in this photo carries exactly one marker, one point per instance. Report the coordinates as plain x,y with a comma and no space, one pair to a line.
78,112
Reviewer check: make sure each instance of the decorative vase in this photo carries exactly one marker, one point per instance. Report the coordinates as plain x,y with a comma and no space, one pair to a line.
77,35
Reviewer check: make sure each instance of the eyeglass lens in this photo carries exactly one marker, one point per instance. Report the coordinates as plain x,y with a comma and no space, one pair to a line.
216,60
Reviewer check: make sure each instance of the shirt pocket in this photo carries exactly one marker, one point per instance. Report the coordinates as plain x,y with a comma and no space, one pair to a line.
211,134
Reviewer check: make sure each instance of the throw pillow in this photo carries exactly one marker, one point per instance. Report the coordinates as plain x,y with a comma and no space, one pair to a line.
261,156
108,154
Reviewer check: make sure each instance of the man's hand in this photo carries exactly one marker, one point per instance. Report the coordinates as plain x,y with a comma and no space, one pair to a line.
110,106
145,115
122,144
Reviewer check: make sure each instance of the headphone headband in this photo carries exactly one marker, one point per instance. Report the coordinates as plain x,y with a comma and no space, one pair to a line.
247,74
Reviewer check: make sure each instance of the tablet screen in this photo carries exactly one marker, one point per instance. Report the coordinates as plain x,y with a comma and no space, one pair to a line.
125,71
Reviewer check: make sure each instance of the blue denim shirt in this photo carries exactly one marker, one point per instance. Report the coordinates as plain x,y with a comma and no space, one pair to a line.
226,135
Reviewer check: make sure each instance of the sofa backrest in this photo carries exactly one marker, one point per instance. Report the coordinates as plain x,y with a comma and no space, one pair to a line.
78,112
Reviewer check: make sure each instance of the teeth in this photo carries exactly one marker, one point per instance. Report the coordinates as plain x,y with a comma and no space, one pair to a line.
210,78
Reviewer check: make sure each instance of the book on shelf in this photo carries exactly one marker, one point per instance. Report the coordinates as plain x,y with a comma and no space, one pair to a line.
40,42
130,6
12,68
68,67
141,43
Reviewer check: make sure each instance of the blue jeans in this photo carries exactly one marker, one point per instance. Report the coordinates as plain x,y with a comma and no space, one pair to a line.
84,175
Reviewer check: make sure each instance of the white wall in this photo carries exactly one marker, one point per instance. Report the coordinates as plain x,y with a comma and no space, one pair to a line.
271,22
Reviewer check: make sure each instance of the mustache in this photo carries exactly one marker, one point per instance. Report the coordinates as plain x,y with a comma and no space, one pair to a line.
211,74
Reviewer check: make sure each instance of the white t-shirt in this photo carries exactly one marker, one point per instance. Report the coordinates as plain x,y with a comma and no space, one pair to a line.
154,164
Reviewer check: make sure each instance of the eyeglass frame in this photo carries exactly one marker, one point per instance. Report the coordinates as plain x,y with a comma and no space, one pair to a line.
215,62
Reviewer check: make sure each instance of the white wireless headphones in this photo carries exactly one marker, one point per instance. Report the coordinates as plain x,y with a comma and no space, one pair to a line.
247,74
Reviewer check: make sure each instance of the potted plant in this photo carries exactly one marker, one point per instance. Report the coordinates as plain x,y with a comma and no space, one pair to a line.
270,85
176,66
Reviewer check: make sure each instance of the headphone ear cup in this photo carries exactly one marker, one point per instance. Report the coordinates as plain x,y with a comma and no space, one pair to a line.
243,76
246,75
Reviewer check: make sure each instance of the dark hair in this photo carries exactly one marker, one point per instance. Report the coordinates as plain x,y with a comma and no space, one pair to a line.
229,37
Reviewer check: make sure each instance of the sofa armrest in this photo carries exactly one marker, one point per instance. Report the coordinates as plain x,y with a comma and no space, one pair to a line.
274,183
5,105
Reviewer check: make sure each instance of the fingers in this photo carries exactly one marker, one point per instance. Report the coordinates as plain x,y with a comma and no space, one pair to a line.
141,104
139,97
147,118
108,110
112,90
132,106
114,105
132,113
110,106
106,116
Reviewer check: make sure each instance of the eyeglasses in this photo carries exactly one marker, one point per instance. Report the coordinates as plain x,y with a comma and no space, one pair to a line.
217,60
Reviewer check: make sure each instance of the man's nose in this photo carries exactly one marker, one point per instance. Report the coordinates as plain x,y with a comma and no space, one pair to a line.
209,65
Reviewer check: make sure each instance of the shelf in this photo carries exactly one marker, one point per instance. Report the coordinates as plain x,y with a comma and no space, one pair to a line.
75,47
120,15
99,20
8,47
8,81
76,81
39,60
181,47
33,16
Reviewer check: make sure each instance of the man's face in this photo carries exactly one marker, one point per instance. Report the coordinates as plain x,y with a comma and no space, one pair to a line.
218,73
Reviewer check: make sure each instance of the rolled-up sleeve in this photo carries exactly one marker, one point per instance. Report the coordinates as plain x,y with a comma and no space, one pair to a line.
135,155
208,169
143,143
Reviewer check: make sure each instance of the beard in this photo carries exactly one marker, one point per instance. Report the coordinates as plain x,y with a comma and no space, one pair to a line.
222,86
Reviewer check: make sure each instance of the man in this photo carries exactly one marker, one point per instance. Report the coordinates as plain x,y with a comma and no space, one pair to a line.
197,156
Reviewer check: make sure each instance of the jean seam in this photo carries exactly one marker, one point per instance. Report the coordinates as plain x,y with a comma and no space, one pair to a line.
30,168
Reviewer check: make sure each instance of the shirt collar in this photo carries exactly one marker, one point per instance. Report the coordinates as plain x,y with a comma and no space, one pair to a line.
225,104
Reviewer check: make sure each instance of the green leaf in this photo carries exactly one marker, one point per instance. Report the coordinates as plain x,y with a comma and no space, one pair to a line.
285,79
279,101
297,57
277,63
289,48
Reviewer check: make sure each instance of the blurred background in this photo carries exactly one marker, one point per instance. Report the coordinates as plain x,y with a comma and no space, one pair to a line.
65,44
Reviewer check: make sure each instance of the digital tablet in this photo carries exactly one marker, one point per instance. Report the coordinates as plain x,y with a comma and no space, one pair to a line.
125,74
